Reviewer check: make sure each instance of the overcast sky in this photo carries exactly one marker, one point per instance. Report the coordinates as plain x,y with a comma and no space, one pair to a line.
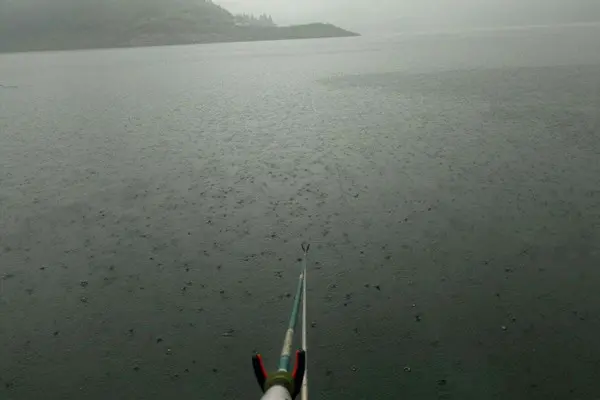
367,16
394,14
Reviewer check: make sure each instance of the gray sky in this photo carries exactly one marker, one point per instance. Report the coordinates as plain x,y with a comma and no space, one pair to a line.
393,15
367,16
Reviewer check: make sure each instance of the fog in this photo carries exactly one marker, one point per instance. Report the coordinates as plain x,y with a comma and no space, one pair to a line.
400,15
367,16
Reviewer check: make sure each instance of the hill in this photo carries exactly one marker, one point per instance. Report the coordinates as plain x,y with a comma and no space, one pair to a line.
27,25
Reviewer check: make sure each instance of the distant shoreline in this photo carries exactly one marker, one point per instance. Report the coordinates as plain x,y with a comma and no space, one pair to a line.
237,34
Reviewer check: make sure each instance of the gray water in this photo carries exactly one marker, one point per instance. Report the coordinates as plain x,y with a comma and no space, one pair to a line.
153,202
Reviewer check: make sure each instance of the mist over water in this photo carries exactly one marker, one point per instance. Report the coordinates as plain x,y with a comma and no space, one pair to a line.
409,15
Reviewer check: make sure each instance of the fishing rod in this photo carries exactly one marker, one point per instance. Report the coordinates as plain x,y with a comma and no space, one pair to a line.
304,390
284,384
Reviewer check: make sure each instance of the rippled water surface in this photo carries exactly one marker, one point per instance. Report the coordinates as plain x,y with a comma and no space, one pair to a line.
153,202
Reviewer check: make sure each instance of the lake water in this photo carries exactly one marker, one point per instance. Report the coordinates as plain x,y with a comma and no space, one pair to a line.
153,202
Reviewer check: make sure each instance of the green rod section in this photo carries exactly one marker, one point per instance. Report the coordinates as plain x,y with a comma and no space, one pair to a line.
284,360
